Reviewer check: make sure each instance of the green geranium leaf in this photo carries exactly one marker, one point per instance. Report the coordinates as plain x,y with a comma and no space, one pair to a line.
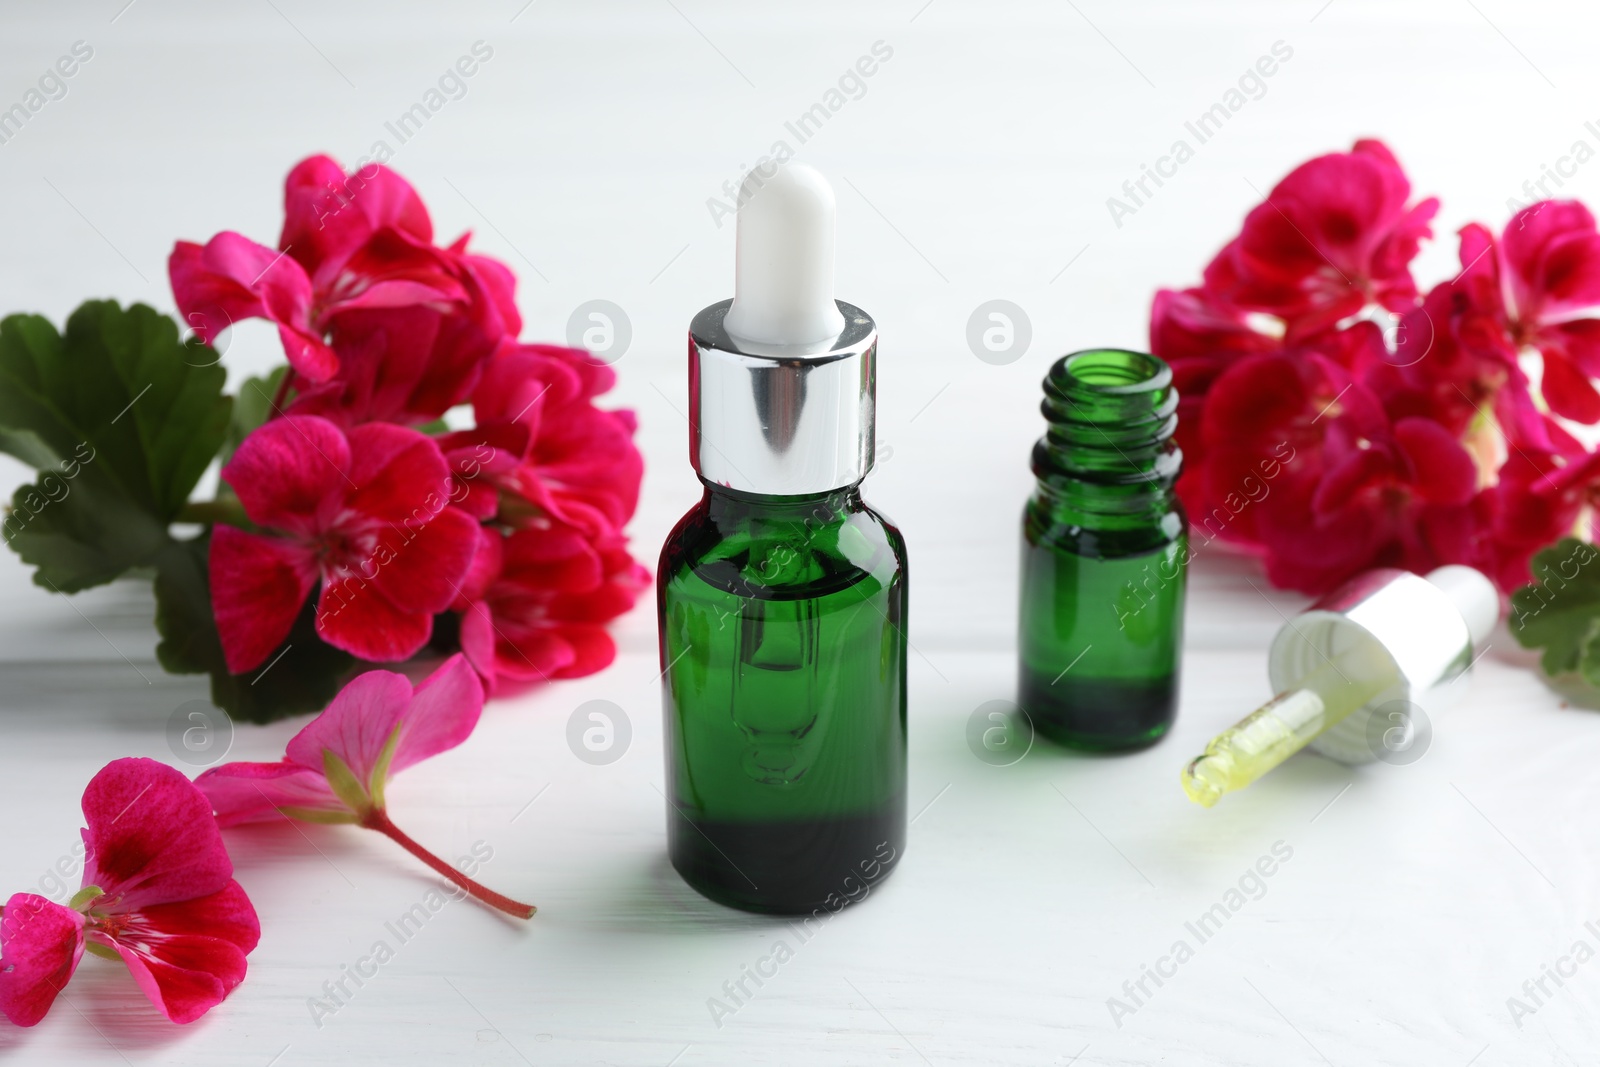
119,380
77,533
28,447
302,675
122,419
251,408
1559,611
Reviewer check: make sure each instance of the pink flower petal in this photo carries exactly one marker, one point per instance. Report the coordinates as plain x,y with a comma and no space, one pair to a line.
478,641
1569,274
1312,553
1568,390
520,378
42,943
617,594
485,566
308,355
528,654
383,355
226,915
291,471
258,586
234,271
184,976
253,792
151,838
586,456
389,269
353,615
1260,392
477,498
426,564
592,650
232,278
356,725
327,214
442,714
394,470
1442,471
1578,340
1520,418
496,287
1537,285
208,303
495,448
557,559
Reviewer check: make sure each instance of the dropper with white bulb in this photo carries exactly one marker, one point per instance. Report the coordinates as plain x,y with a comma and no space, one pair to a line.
783,377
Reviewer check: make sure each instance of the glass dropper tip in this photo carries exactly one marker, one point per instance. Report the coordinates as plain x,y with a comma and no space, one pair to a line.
1205,780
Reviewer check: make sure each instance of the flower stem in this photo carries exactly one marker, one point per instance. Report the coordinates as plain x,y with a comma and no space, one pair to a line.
282,393
378,819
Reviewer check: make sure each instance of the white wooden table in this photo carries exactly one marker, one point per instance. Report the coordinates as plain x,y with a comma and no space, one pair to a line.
974,166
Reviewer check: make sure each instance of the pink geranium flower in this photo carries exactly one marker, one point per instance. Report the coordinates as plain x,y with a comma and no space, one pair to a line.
1329,445
1333,236
482,461
1346,487
536,604
366,513
377,321
231,278
1447,367
328,215
336,770
1537,289
581,468
158,894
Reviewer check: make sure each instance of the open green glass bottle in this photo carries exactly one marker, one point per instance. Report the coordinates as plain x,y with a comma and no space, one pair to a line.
1104,556
782,606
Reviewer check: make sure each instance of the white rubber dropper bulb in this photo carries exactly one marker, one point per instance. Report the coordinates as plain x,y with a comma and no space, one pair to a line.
783,274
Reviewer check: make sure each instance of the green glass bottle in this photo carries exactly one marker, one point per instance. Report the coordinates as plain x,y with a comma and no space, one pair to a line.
783,640
1104,556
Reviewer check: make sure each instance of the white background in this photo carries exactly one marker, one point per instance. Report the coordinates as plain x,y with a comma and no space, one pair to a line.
976,166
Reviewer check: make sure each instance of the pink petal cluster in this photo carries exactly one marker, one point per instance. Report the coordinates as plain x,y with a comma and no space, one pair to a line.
1331,444
515,524
558,569
158,894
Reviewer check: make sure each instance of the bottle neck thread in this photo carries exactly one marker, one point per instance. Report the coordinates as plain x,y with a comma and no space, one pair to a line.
1109,445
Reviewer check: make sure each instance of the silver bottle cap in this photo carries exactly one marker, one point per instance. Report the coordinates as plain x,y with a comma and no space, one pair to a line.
1426,626
782,420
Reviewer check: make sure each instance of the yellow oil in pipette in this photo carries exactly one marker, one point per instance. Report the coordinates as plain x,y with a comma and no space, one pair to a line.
1288,722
